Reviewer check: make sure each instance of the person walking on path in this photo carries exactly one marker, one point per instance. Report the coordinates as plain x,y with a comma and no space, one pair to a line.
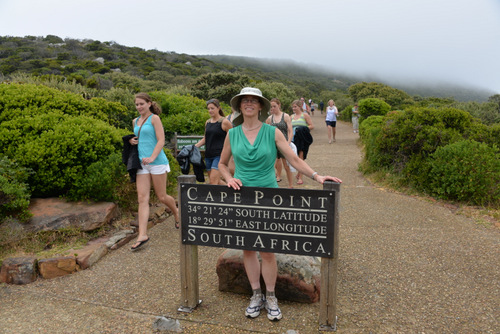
331,121
311,106
283,122
302,125
305,106
216,128
355,118
254,147
154,163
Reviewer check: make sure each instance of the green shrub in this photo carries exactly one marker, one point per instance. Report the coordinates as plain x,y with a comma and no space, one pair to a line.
346,114
487,112
175,171
100,180
465,171
26,100
409,137
178,104
58,147
369,131
393,96
373,107
191,123
14,190
483,133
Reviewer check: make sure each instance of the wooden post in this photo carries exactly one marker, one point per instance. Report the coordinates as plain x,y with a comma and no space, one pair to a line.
189,261
328,295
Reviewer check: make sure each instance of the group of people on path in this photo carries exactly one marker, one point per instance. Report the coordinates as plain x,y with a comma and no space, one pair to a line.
244,149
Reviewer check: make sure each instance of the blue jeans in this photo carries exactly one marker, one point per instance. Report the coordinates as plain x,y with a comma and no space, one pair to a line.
212,163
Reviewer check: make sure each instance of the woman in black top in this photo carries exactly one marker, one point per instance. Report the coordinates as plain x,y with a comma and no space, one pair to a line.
216,129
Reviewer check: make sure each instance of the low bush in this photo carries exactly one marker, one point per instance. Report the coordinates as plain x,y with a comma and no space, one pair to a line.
100,180
58,147
409,137
369,131
27,100
373,107
466,171
14,190
393,96
172,104
346,114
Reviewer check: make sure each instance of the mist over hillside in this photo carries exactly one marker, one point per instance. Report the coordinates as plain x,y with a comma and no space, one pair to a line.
336,80
81,60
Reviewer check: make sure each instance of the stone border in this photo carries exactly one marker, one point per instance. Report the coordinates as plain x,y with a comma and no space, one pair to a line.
26,269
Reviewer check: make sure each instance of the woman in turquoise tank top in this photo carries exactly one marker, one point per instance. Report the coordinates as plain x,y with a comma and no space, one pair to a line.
254,145
154,163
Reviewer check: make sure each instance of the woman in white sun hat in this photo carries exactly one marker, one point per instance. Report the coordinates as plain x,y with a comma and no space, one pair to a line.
254,145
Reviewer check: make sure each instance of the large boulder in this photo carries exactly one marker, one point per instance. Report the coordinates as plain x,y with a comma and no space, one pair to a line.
298,276
55,213
18,270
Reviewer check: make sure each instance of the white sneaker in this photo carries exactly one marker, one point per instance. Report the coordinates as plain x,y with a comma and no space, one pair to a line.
273,311
256,304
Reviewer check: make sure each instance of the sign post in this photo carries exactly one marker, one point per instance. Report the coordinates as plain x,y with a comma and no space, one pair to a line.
190,297
328,294
300,222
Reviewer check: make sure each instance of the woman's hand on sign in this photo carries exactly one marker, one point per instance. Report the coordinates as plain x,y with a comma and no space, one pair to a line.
321,179
234,183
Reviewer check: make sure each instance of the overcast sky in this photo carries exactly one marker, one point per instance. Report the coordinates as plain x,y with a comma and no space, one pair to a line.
455,41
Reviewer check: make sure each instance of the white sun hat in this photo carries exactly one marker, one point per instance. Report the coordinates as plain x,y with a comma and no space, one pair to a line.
235,104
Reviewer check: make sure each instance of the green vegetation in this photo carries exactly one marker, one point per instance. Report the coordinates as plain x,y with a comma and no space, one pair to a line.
444,152
14,189
65,104
465,171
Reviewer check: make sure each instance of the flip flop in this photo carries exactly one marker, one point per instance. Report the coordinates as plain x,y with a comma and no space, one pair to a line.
142,242
300,182
279,180
177,225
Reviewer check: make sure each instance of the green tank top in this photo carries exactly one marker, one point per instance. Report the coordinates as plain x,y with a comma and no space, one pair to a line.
299,122
254,163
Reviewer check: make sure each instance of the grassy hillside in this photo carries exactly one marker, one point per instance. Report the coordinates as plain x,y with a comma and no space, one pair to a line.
85,61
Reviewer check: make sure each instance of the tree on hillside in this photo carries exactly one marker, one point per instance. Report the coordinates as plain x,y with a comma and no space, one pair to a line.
496,99
220,85
395,97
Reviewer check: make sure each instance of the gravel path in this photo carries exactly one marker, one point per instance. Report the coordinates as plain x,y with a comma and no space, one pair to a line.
406,265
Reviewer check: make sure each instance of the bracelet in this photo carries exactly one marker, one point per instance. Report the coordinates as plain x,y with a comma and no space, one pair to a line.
314,174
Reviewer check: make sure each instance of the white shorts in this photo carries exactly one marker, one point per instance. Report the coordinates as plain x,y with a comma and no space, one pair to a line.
153,169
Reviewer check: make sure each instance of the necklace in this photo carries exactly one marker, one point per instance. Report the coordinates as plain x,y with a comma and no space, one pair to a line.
247,129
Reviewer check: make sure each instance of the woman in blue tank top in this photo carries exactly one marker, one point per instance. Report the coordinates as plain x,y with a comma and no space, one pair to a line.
151,139
254,145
